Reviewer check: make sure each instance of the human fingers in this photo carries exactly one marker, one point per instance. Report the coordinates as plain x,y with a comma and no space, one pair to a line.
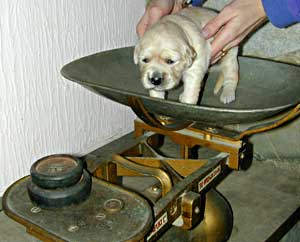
226,35
225,49
151,16
154,11
177,7
142,25
216,58
238,35
241,37
215,24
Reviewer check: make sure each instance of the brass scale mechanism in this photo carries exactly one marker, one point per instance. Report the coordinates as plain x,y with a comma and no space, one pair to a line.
185,196
183,182
183,204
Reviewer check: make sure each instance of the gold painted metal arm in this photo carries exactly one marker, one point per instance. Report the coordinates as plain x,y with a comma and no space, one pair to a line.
162,176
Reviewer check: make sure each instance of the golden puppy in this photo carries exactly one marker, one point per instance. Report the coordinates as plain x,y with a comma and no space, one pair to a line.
174,50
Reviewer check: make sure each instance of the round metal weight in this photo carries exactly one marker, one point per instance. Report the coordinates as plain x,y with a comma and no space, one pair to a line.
60,197
56,171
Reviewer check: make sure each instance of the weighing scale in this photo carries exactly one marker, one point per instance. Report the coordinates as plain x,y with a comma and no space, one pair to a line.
160,183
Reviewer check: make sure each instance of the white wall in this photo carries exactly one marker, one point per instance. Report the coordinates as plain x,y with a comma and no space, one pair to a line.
41,112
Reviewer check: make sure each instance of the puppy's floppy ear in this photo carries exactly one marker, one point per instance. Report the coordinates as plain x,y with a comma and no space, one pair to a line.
190,55
136,54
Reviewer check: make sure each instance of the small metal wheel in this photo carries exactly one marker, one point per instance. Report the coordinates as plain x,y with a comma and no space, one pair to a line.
61,197
56,171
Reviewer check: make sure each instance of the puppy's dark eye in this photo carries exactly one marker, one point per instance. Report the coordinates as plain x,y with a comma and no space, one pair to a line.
145,60
170,62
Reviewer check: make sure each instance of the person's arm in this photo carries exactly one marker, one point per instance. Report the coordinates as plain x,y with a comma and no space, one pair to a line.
282,13
241,17
197,2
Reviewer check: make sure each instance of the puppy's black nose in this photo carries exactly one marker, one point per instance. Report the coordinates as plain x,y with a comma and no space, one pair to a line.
156,79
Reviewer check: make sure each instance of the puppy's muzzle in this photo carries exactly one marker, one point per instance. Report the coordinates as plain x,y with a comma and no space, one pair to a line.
156,78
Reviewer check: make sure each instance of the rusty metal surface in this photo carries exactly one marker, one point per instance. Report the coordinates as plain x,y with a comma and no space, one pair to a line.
265,89
100,218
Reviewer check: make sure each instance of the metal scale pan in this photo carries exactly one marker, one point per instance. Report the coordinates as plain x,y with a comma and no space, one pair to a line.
266,88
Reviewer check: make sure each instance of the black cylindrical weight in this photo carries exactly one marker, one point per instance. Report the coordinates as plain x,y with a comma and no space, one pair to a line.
56,171
60,197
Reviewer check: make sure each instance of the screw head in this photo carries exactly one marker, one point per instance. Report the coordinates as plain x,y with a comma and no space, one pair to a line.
155,189
113,205
212,130
73,228
173,209
100,216
35,209
242,156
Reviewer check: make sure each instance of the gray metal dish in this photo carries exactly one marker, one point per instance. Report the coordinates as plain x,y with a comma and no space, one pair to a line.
266,88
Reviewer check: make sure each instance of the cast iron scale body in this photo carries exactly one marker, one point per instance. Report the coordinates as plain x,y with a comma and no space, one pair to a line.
168,190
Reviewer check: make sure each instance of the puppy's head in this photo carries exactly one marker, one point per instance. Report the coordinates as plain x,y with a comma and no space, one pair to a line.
163,54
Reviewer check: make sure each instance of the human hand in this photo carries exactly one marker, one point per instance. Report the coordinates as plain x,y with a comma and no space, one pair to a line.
154,11
233,24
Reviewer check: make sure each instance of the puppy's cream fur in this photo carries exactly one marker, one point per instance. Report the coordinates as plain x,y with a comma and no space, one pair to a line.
174,49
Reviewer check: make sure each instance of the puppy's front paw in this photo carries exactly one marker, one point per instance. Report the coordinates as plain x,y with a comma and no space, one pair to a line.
228,94
157,94
188,99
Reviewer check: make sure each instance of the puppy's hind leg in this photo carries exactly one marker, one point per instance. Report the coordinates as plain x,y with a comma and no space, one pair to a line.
229,76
